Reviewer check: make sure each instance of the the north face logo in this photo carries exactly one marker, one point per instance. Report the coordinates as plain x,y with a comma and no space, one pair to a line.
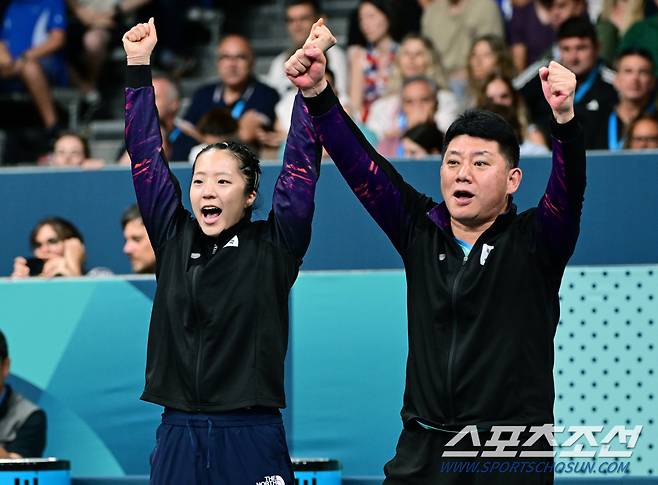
272,480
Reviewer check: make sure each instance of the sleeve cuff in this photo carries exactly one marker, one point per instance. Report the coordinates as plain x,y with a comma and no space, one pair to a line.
138,76
566,131
323,102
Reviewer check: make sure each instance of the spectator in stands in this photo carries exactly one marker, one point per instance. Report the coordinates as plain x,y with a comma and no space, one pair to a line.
215,126
530,32
31,40
422,141
558,11
178,134
300,16
416,57
371,65
499,91
72,150
644,34
643,133
452,26
635,83
418,106
95,26
22,423
488,55
58,250
138,246
250,101
578,48
615,19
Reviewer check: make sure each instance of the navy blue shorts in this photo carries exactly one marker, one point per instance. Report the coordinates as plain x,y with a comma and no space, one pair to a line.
233,448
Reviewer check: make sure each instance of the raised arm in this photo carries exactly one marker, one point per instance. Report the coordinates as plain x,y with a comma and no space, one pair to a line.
560,207
158,192
389,200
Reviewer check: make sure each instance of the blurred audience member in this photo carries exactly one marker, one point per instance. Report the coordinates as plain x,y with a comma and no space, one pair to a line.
138,245
215,126
530,32
635,83
31,40
418,106
452,26
498,90
94,27
371,65
249,101
22,423
526,145
578,47
488,55
615,19
57,249
422,141
416,57
300,17
644,34
72,150
643,133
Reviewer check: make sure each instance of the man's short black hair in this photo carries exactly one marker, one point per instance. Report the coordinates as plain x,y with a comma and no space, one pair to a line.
578,26
130,214
635,51
315,4
4,350
483,124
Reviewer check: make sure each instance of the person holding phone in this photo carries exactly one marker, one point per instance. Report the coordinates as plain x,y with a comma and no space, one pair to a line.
57,250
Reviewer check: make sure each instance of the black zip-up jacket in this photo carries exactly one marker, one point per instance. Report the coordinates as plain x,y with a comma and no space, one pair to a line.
481,327
219,327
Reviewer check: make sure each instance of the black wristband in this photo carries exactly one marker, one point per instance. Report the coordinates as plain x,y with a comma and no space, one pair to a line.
139,76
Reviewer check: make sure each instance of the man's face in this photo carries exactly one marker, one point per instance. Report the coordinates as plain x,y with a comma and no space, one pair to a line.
644,136
138,247
561,10
578,54
635,79
299,20
476,180
418,102
234,61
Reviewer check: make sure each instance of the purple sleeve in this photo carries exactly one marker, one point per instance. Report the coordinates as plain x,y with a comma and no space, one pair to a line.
391,202
294,192
560,208
158,193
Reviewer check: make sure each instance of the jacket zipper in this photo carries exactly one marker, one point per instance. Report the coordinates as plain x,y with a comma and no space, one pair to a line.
453,342
197,386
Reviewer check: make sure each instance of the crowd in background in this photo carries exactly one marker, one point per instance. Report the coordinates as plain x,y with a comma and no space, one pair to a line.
407,70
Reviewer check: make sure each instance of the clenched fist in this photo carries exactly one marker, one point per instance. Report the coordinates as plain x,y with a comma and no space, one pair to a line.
139,42
559,86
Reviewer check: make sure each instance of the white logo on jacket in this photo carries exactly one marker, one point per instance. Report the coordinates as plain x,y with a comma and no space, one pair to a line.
486,249
272,480
233,243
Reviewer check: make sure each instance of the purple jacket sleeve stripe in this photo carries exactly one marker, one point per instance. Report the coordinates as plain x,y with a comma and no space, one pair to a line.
378,186
561,206
294,192
158,193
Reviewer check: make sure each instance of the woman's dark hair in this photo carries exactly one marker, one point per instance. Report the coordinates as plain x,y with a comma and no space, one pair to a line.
483,124
249,163
218,122
427,135
354,34
63,228
83,140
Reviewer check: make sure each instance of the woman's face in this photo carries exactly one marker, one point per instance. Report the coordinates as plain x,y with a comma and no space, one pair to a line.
413,58
482,60
48,245
218,190
373,23
69,151
498,92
